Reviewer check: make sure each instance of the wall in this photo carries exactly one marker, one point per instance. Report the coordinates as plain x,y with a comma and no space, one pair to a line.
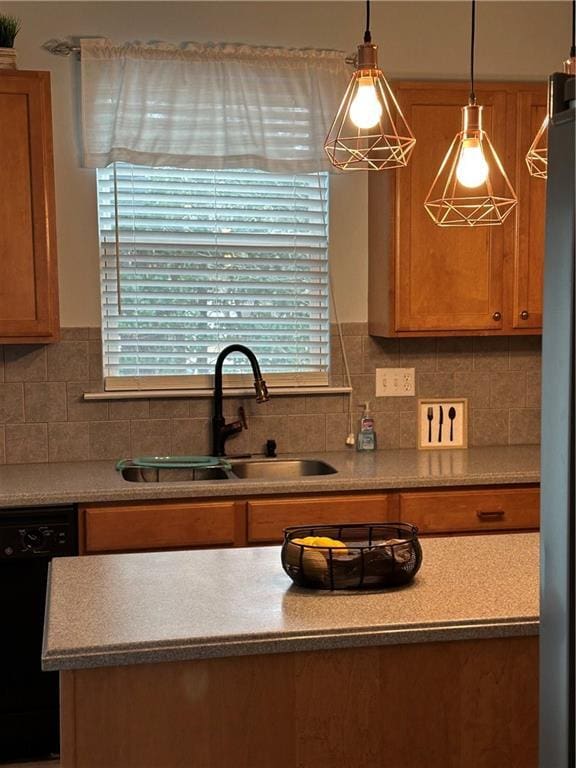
515,40
43,416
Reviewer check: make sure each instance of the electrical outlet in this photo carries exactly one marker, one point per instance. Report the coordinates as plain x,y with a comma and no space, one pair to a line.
395,382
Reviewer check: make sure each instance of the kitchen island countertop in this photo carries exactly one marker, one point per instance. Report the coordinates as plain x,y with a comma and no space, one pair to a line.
98,481
127,609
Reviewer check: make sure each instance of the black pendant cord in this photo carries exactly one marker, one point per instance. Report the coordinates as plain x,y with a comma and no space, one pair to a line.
472,47
573,47
367,34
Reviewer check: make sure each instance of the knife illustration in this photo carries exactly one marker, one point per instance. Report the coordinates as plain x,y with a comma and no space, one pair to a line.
440,422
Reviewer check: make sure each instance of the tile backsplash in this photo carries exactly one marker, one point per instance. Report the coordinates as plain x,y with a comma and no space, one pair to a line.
44,418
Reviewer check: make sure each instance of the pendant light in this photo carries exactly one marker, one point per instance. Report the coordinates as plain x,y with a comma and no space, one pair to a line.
537,155
471,188
369,132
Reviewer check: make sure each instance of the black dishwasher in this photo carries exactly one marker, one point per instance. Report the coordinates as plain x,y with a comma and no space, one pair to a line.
29,706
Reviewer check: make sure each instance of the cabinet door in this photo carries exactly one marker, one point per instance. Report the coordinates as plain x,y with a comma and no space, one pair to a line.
529,245
472,511
447,279
267,518
160,525
28,271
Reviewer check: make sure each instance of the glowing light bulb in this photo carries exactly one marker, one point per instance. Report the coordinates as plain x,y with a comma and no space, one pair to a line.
365,110
472,169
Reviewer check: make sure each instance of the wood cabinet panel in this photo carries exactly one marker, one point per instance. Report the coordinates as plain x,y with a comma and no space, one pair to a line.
268,517
124,528
426,280
529,243
475,511
28,268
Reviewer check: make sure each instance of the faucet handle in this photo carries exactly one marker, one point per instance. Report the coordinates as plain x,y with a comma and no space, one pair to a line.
242,417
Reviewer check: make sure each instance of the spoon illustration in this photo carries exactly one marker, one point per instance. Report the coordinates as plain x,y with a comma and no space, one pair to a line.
452,416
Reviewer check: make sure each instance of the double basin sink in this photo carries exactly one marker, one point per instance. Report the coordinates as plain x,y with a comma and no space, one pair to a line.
256,469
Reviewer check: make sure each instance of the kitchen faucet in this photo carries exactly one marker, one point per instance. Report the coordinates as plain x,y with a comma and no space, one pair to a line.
220,430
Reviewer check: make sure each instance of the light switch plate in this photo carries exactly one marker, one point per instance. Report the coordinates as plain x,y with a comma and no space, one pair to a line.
395,382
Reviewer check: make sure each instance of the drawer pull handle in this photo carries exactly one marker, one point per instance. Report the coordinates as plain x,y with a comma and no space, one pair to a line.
496,514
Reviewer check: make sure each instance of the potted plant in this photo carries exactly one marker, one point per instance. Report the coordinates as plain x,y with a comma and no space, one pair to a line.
9,28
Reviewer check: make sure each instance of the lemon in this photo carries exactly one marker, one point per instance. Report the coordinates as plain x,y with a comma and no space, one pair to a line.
320,541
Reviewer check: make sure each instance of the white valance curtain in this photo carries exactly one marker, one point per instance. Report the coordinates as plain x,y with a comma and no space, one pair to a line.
209,106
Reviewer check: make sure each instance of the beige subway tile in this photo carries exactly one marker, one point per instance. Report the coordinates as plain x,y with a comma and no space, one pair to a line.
364,388
11,403
525,353
26,443
150,437
325,403
68,361
474,386
293,434
170,408
1,364
489,427
109,439
129,409
408,430
525,426
507,390
354,329
491,353
379,353
2,444
190,437
95,334
337,429
69,441
25,362
95,371
201,407
417,353
45,401
533,389
74,334
455,354
84,410
387,427
434,385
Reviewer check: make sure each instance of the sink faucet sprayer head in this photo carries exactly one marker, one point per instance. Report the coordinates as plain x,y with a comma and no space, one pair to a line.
261,391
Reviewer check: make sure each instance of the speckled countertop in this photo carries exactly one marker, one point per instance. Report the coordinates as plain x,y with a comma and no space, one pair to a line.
27,484
112,610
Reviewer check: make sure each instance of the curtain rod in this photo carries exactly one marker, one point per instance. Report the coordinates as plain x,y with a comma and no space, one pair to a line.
61,47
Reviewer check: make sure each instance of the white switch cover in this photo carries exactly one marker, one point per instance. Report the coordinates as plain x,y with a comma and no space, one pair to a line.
395,382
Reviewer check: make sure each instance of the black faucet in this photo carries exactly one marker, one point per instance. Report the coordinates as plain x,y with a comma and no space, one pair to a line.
220,430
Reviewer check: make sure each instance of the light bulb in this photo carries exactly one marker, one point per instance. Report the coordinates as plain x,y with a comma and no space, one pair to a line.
472,169
365,110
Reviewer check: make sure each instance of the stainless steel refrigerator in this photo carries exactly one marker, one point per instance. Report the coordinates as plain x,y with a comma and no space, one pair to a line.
558,537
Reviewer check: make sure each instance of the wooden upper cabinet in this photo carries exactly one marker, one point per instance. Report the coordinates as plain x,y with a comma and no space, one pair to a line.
426,280
28,267
528,248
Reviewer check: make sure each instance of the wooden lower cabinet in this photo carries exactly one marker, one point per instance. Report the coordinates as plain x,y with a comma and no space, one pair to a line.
456,704
472,511
160,525
156,525
267,518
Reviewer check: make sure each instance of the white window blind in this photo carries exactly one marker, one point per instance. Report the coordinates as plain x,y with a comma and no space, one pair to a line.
194,260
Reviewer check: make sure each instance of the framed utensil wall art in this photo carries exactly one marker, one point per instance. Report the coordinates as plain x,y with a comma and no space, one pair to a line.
443,422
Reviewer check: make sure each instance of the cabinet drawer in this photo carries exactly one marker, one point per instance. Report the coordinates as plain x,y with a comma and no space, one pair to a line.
158,526
474,511
268,517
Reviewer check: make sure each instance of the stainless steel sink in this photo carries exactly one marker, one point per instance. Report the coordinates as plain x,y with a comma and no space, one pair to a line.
280,469
256,469
173,475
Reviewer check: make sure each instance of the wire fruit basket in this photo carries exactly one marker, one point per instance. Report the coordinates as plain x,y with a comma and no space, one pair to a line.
353,556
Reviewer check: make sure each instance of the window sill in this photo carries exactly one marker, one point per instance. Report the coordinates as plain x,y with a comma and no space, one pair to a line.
152,394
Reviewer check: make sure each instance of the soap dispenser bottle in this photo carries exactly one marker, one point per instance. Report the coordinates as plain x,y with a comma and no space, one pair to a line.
366,434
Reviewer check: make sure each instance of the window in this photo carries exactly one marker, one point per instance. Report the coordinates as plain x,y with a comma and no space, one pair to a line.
194,260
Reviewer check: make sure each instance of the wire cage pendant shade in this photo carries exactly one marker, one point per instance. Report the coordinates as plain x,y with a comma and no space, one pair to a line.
471,188
537,155
369,131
